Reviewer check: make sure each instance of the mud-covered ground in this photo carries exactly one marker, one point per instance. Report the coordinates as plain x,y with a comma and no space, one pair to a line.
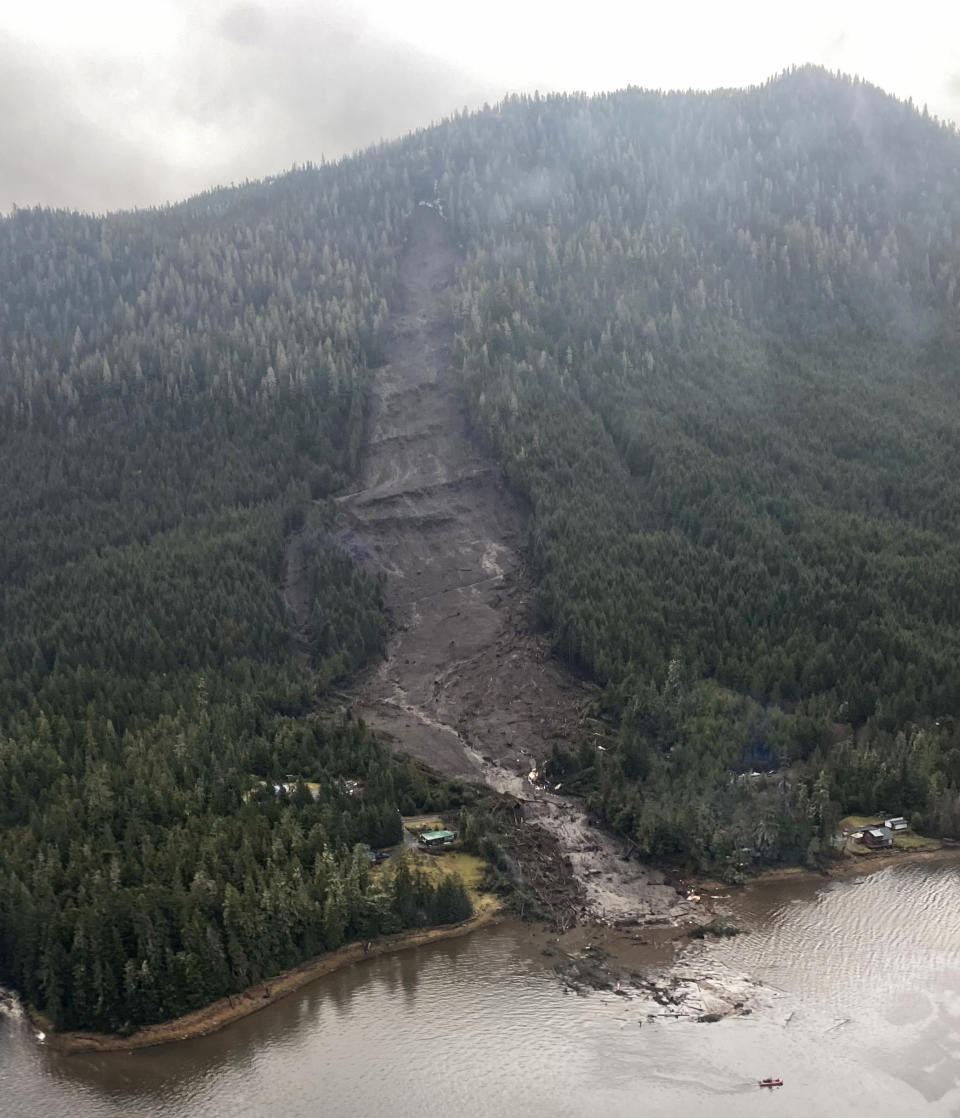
467,686
462,670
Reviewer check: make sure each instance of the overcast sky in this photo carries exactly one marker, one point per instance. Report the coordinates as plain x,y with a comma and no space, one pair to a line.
116,103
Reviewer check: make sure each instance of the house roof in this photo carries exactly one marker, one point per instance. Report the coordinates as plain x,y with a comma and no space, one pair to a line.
436,836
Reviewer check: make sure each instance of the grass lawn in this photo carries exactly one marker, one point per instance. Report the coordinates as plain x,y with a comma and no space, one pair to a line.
468,867
858,822
907,840
418,823
902,840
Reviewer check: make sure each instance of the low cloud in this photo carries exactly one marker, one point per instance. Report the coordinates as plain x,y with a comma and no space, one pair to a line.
951,99
246,92
57,154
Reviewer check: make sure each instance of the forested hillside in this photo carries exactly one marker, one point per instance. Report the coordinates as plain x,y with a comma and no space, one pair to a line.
712,340
178,391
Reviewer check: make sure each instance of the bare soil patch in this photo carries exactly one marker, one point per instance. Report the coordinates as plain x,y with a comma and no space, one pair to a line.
464,675
467,685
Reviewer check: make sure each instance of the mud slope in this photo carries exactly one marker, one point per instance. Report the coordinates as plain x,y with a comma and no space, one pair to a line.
465,686
461,678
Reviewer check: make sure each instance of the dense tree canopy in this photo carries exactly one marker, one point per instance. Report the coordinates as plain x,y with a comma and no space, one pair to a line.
712,339
180,390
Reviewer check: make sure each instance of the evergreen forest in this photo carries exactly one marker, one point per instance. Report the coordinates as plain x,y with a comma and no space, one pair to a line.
712,341
179,391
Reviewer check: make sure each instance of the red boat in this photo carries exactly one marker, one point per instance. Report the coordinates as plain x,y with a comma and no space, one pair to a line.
770,1083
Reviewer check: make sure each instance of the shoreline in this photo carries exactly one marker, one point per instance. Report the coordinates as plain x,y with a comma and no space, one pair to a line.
852,865
217,1015
848,865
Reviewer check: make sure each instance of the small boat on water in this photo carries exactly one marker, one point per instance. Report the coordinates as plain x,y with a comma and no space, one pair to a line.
770,1082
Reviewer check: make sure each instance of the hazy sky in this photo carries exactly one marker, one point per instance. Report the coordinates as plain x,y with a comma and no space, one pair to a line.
115,103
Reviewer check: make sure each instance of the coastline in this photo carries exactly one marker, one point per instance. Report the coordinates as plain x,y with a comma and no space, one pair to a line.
217,1015
846,866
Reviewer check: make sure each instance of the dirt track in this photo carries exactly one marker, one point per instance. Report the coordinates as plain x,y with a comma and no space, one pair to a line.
466,686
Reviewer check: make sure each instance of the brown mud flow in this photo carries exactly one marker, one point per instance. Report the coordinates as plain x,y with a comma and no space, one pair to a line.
466,686
461,676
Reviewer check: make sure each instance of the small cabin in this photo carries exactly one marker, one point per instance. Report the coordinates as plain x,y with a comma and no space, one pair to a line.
877,837
896,823
432,839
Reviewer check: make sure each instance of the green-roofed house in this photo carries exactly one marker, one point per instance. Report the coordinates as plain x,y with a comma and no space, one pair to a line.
432,839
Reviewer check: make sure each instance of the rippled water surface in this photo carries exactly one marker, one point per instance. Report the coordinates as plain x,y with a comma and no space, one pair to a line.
863,1018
